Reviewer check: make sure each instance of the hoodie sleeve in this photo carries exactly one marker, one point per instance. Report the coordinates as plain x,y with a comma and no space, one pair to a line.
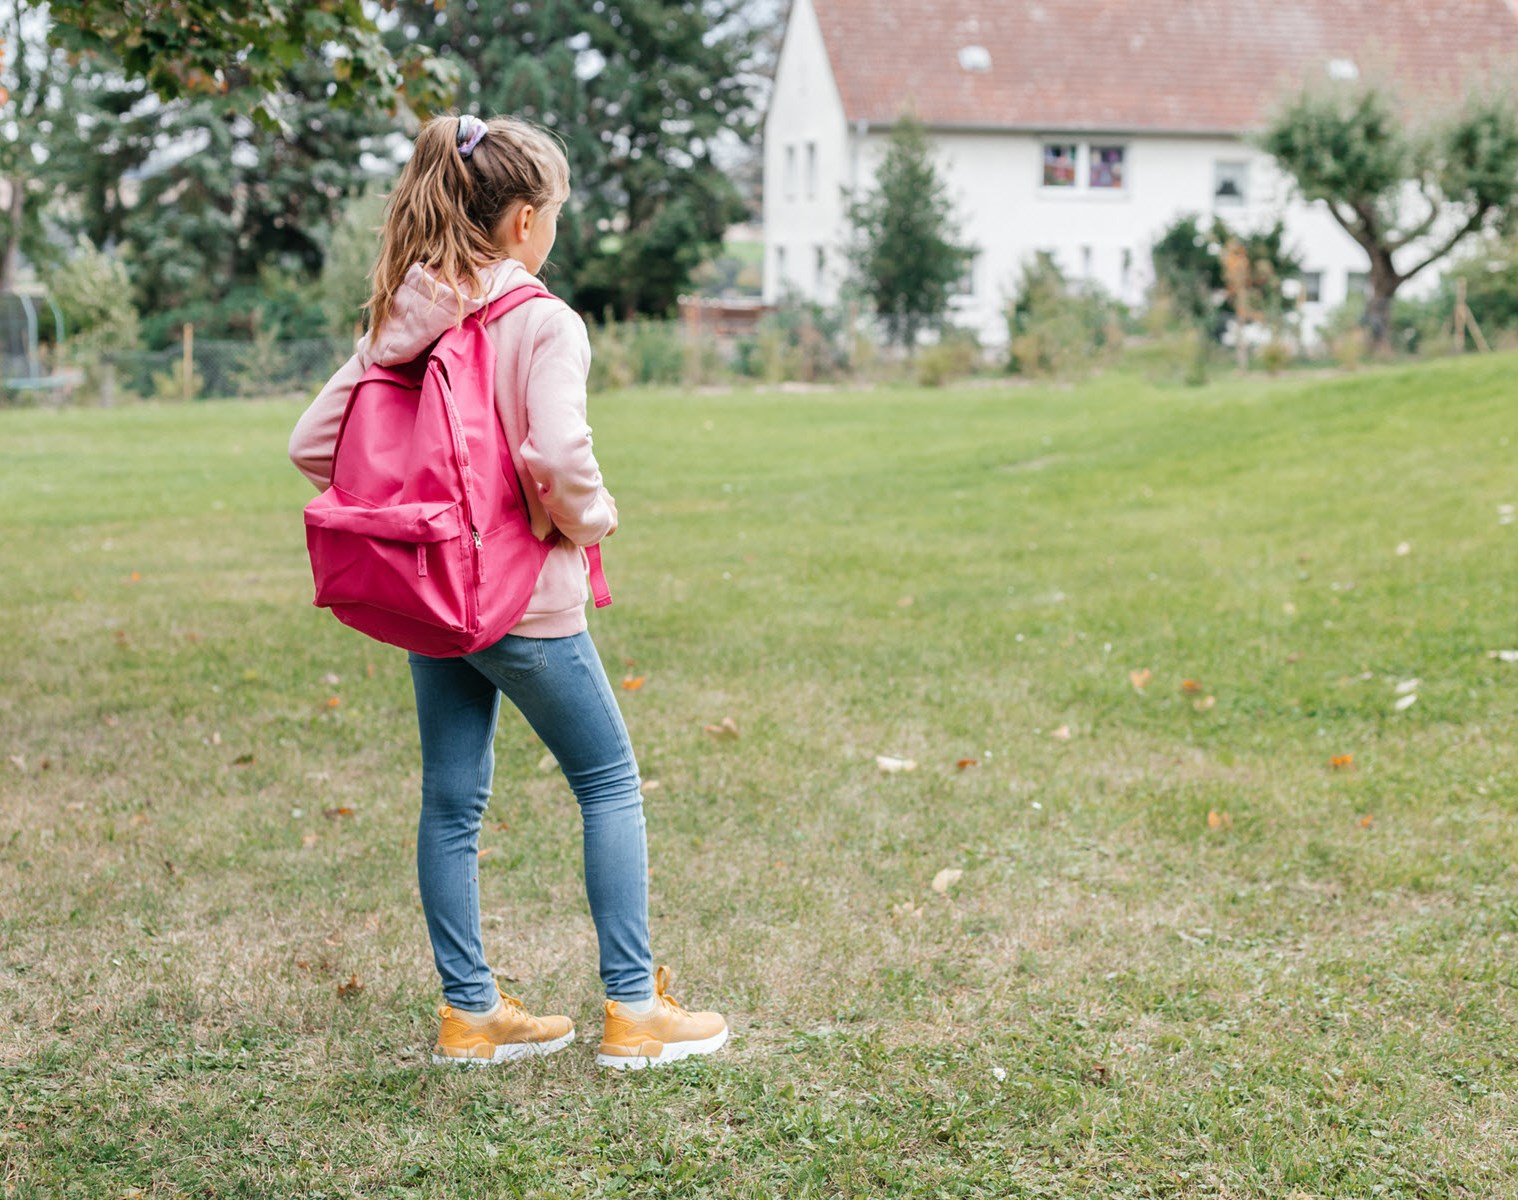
315,436
557,450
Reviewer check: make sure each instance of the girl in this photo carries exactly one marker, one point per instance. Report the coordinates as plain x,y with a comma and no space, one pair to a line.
472,217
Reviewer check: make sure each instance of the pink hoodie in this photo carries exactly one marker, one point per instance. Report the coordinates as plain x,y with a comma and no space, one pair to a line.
542,359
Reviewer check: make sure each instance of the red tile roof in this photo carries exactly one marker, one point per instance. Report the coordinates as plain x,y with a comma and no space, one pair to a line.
1175,65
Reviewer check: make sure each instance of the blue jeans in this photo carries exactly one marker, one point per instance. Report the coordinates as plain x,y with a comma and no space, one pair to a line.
561,688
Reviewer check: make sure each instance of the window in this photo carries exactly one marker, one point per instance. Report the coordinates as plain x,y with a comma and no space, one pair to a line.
1357,283
790,172
1059,165
819,267
1230,184
965,284
811,170
1086,256
1107,167
780,280
1312,286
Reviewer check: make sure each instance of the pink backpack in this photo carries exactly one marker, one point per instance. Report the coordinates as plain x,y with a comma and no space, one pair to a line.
423,539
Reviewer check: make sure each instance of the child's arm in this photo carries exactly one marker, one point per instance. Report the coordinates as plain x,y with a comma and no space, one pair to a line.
315,436
557,450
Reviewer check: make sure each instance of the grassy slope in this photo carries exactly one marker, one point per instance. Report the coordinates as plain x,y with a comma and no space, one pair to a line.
1316,997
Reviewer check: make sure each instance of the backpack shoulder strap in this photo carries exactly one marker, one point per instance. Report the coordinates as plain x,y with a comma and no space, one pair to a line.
502,305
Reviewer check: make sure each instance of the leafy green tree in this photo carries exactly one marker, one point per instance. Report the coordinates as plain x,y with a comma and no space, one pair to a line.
641,92
906,254
38,83
222,220
243,52
1407,194
1189,275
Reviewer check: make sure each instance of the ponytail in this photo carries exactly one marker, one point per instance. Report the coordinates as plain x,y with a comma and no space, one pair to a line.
463,176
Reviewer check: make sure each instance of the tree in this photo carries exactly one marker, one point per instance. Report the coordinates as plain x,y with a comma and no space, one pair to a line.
1189,271
1405,194
37,98
642,93
906,254
222,220
244,51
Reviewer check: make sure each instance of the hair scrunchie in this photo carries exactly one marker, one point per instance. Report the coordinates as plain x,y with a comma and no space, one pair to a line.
471,131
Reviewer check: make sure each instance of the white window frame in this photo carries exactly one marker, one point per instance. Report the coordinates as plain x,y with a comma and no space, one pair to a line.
1083,159
1218,167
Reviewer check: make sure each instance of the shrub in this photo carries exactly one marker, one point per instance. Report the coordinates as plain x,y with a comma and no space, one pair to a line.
955,355
1058,328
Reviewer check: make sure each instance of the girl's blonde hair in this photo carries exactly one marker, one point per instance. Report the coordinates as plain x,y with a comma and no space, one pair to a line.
445,206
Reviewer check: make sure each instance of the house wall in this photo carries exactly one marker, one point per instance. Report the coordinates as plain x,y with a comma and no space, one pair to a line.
996,182
803,208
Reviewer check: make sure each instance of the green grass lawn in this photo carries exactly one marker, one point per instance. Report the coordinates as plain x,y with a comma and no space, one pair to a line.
1186,955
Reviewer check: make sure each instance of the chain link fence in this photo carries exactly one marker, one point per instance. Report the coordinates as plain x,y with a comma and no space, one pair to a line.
220,370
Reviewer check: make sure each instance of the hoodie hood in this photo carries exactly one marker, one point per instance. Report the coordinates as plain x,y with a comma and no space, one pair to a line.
424,308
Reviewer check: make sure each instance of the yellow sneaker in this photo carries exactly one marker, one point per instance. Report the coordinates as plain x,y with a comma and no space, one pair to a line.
634,1041
509,1033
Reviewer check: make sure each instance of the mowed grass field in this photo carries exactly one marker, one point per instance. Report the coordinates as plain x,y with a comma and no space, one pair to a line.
1185,896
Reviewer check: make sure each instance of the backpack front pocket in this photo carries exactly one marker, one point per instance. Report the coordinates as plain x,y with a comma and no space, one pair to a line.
413,561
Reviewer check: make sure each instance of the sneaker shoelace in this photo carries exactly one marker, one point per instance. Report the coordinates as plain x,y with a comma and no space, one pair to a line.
661,986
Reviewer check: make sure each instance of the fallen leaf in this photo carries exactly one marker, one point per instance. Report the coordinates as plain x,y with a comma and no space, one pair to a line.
307,840
906,909
369,670
891,764
332,814
633,682
18,761
485,851
726,731
547,763
1203,703
1062,734
501,825
905,602
191,636
215,737
962,763
1293,657
110,722
334,701
136,577
243,760
1140,679
1366,820
352,988
1406,702
651,785
946,879
331,679
1342,762
629,662
1218,820
1289,609
1190,685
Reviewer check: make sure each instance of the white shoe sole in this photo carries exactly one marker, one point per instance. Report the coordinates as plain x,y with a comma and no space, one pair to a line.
671,1053
511,1052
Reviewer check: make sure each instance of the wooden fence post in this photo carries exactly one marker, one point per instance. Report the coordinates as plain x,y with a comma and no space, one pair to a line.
188,382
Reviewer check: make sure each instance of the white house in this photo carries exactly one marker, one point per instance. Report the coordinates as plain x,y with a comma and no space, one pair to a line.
1084,127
